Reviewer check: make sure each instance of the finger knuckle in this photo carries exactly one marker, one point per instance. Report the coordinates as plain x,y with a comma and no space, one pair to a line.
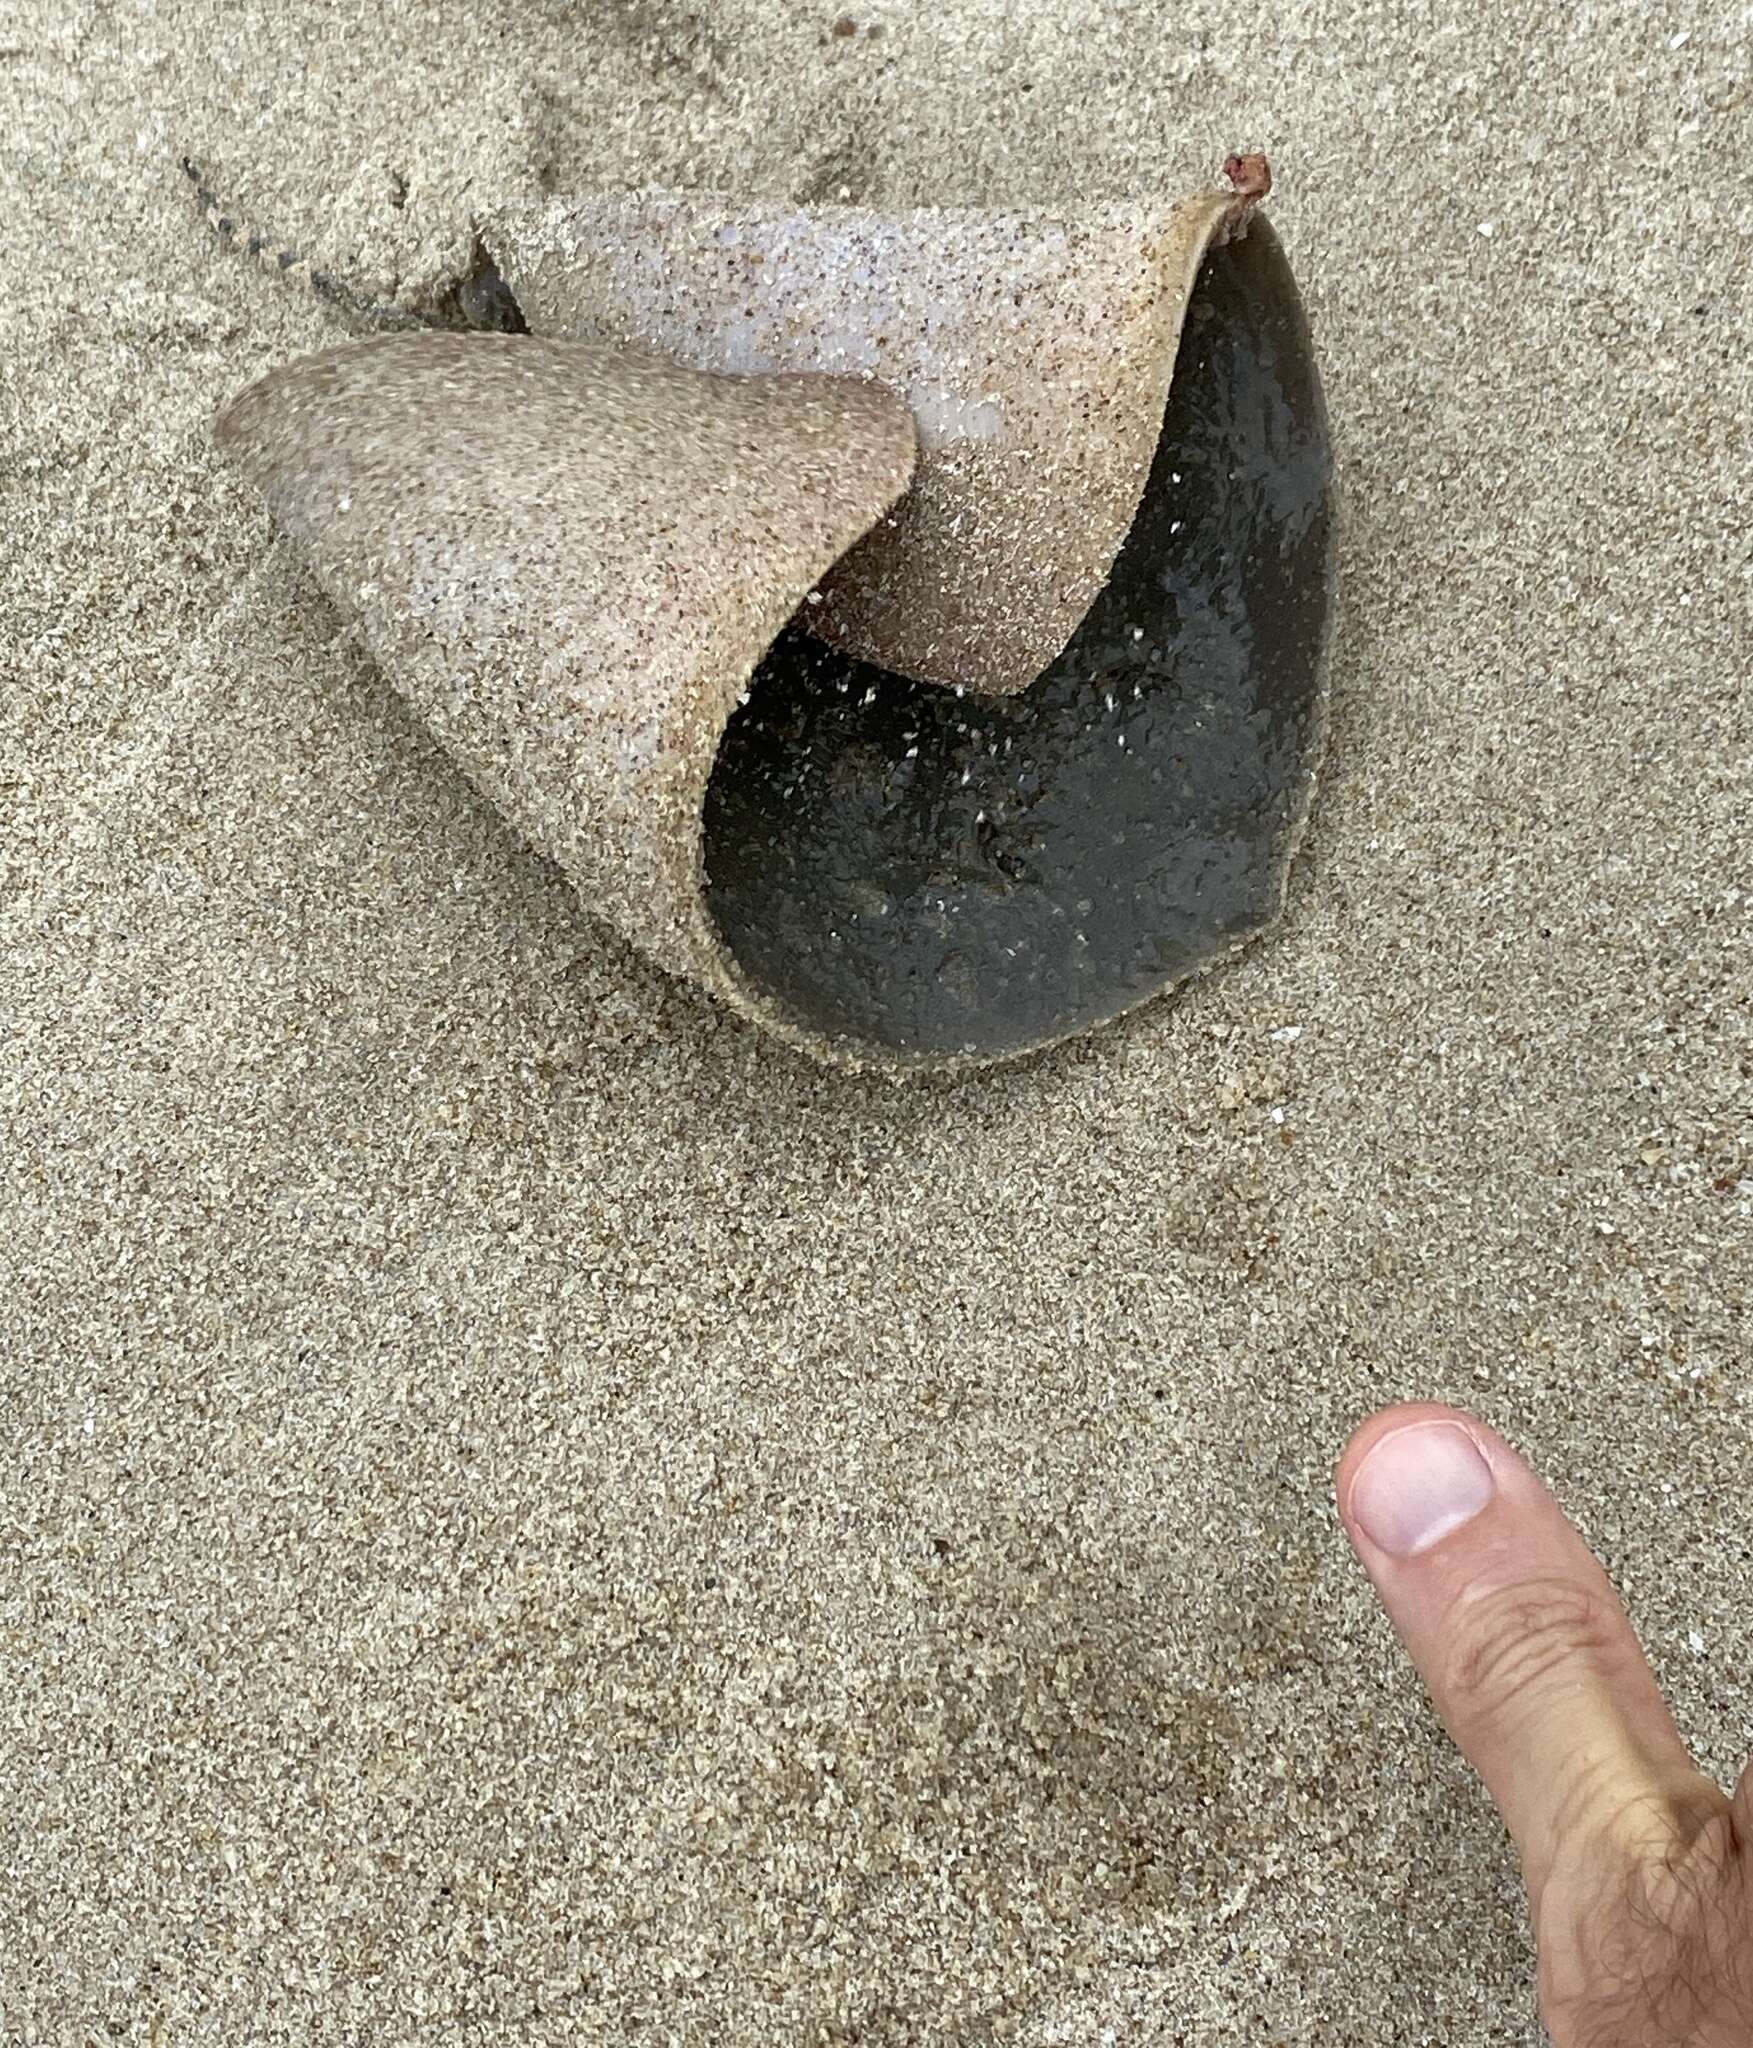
1513,1642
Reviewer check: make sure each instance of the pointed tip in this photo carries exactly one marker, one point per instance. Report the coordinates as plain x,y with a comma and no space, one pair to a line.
1250,175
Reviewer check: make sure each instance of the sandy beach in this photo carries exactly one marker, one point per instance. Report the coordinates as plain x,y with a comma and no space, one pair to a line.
532,1513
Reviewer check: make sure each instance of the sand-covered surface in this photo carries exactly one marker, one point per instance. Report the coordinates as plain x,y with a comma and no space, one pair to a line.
530,1513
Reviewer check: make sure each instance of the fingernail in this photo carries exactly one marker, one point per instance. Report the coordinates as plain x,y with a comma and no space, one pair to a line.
1419,1484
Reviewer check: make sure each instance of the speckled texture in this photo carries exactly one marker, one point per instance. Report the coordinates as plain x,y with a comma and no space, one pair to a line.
568,559
532,1515
1034,350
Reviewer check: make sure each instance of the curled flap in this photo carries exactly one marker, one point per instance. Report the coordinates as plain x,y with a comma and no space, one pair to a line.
1035,351
569,561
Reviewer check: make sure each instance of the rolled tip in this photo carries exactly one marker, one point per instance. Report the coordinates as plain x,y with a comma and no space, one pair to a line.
1249,175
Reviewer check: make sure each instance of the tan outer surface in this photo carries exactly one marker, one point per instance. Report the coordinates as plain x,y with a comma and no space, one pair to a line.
569,562
1035,350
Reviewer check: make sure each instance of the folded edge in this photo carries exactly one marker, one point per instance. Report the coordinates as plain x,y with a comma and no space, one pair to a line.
569,561
1034,350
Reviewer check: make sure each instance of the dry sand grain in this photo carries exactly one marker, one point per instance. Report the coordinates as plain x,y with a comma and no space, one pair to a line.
533,1515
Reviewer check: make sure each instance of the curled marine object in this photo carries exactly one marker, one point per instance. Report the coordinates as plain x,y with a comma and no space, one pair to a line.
911,629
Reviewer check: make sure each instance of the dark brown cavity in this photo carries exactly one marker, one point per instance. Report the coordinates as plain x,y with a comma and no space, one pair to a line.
929,874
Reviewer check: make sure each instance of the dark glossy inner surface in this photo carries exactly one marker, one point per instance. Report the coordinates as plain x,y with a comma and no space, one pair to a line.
935,873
